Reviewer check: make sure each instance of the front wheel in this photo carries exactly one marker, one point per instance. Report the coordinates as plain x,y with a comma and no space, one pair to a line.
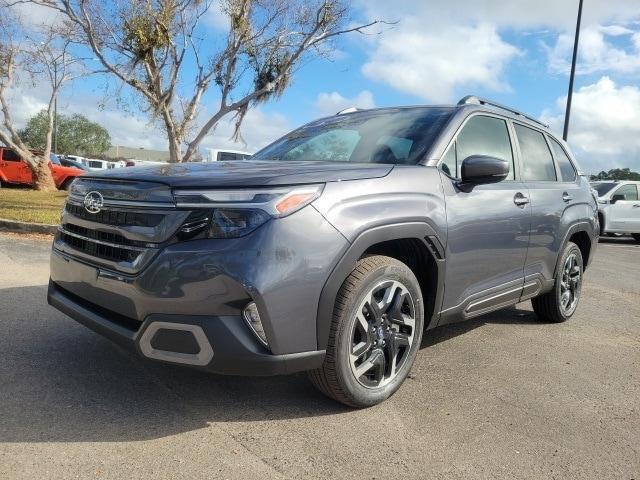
636,237
560,304
375,333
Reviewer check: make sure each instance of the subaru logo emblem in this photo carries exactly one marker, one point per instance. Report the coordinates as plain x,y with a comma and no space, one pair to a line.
93,202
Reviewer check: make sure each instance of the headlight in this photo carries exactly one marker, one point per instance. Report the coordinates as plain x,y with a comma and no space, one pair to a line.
229,223
235,213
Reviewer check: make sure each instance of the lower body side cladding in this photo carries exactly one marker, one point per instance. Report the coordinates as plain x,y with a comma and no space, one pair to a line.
282,267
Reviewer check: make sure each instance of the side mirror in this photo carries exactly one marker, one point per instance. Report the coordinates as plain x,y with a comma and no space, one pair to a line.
616,198
479,169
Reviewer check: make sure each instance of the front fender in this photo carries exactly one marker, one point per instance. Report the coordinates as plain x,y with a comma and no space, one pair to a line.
416,230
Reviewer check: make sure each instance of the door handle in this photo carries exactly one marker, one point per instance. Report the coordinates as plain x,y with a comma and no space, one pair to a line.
566,197
520,200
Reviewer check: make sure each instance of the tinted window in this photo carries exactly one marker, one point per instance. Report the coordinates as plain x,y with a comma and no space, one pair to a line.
630,192
485,136
603,188
373,136
567,172
536,157
94,164
10,156
225,156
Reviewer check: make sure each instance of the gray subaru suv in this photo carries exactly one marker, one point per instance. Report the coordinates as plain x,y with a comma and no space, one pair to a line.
333,249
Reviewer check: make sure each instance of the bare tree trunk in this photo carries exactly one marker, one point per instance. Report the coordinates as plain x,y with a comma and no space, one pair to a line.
42,178
175,155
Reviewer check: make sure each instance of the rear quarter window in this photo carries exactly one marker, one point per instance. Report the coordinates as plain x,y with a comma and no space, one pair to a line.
567,172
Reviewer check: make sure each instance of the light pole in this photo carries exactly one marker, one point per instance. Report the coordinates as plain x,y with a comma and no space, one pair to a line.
55,109
567,114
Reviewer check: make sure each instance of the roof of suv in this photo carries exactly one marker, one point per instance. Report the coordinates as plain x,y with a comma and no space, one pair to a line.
468,103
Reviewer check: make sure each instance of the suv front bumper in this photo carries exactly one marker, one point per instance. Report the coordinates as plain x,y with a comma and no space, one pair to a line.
202,286
234,350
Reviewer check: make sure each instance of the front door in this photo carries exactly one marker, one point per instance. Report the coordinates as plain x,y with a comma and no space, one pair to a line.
488,231
624,214
13,168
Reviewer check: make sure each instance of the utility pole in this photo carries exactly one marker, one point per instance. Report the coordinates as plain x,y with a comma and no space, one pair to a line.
567,114
55,109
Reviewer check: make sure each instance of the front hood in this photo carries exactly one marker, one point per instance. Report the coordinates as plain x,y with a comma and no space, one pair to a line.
244,173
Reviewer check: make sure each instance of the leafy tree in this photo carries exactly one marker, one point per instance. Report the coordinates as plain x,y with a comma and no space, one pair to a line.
77,134
164,51
617,174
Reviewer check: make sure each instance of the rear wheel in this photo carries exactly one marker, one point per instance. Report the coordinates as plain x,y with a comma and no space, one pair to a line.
560,304
636,237
375,333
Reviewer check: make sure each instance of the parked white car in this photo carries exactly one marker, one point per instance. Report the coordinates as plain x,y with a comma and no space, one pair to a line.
619,207
219,155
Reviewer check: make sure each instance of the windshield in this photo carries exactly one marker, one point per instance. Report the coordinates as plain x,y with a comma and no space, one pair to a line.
54,159
391,136
603,188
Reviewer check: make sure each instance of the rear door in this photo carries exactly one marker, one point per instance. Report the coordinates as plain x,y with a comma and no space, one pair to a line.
624,214
549,199
488,225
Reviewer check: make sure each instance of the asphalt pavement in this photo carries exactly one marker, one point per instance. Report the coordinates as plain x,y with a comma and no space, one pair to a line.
502,396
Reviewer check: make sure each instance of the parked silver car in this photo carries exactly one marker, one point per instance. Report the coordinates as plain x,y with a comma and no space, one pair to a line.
618,207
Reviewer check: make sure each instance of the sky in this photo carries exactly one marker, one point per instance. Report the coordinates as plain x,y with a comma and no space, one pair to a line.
516,52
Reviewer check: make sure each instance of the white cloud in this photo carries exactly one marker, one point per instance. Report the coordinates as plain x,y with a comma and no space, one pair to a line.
441,48
331,103
597,53
432,62
216,18
605,125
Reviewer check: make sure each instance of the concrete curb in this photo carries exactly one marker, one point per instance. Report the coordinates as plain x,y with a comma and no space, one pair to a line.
25,227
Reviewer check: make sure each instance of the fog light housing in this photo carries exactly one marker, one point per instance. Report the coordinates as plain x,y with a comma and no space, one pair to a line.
251,315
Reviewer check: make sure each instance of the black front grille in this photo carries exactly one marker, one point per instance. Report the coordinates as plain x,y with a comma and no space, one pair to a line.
101,236
116,217
98,250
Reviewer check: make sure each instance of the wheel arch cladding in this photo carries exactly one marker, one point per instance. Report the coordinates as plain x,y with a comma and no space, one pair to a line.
413,243
582,234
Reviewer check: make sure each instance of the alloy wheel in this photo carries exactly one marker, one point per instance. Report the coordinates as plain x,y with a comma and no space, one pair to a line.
382,334
570,284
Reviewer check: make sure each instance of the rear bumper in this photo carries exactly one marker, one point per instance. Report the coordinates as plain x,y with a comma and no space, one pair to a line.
225,345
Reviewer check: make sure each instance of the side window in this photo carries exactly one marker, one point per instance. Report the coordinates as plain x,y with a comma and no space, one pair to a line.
449,164
567,172
630,192
225,156
536,157
485,136
10,156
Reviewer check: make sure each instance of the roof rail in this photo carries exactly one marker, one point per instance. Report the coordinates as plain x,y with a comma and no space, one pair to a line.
473,100
347,110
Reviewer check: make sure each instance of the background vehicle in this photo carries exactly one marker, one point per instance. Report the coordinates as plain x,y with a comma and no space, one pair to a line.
15,171
619,207
333,248
65,162
218,155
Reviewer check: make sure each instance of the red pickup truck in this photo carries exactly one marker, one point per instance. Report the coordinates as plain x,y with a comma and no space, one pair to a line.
15,170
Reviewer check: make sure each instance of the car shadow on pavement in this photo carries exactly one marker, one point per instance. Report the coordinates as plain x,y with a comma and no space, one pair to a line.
511,315
60,382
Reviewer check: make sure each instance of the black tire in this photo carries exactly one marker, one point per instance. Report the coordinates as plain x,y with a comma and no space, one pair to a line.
552,306
636,237
337,378
66,184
